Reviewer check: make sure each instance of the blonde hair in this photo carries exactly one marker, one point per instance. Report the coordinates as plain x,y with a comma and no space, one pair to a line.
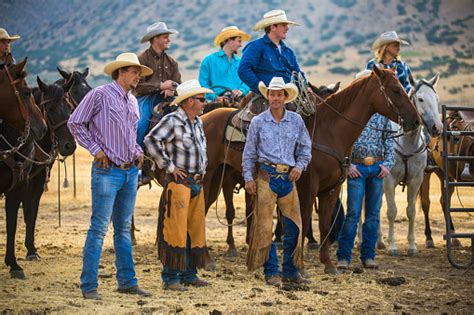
380,53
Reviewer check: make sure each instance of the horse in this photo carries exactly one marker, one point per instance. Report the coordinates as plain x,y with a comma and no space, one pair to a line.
410,161
79,86
458,170
56,106
17,106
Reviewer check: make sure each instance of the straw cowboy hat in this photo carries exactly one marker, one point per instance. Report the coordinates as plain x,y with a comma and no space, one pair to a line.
277,83
188,89
229,32
126,60
156,29
273,17
4,35
386,38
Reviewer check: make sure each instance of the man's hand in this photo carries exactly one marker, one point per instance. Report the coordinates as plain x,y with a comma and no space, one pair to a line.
167,85
353,172
236,93
295,174
167,93
178,173
101,159
384,171
140,161
251,187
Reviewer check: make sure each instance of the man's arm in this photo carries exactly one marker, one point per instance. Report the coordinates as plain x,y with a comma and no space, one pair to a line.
248,63
156,140
205,78
303,149
250,154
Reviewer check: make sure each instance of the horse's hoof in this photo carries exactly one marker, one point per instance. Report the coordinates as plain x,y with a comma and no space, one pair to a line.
279,245
429,244
381,245
393,252
17,274
210,266
456,243
33,257
412,252
330,270
313,246
231,253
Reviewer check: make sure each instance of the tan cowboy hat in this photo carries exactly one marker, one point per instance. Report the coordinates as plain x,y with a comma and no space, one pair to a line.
156,29
386,38
273,17
126,60
188,89
277,83
4,35
229,32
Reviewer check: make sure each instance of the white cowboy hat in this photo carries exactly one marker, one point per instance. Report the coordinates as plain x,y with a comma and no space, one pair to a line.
386,38
156,29
229,32
273,17
189,88
4,35
277,83
126,60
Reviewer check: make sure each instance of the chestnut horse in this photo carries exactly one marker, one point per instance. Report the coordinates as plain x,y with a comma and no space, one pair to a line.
334,128
17,106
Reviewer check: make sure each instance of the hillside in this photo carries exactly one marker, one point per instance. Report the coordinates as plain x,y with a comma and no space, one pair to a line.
332,44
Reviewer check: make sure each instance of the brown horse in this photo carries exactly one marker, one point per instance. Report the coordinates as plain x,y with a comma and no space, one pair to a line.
17,105
458,170
334,128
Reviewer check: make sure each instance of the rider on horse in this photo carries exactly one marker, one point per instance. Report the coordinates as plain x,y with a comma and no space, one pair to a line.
5,51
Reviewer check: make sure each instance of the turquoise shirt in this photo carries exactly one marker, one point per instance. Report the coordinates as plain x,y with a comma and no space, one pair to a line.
217,73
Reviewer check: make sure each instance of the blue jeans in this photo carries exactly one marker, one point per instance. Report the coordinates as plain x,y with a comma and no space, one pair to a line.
145,108
171,276
370,187
113,198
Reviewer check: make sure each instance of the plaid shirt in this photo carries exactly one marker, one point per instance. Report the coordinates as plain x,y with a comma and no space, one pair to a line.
177,142
403,71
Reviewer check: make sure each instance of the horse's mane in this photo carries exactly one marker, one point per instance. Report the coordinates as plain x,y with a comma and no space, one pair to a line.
347,95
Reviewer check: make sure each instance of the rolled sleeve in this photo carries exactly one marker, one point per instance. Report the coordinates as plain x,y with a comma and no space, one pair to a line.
155,143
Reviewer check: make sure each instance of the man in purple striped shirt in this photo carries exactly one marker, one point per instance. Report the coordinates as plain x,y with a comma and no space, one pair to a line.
105,123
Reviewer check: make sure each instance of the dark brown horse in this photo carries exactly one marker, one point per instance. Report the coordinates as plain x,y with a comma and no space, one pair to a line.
17,105
458,170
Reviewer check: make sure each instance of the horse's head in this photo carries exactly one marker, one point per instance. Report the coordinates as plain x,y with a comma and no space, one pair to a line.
76,84
324,91
391,100
56,112
427,103
18,101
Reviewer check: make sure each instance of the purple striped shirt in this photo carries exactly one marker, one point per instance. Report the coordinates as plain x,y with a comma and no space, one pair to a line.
106,120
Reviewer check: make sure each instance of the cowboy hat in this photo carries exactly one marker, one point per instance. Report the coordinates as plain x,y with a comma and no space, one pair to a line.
229,32
187,89
156,29
4,35
126,60
277,83
386,38
273,17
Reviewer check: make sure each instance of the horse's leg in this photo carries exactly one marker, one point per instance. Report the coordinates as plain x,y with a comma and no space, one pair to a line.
326,206
454,242
425,206
228,191
11,207
312,243
413,189
132,231
380,242
31,200
389,189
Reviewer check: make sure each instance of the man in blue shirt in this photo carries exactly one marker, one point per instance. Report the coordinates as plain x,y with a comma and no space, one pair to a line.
279,142
218,70
269,56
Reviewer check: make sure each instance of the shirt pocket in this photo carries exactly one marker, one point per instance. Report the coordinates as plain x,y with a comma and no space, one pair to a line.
116,115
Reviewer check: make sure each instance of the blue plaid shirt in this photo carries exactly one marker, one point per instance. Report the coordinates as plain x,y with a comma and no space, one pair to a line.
403,71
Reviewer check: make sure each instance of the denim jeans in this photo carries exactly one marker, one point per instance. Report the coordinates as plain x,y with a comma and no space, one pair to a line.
370,187
170,276
113,199
145,108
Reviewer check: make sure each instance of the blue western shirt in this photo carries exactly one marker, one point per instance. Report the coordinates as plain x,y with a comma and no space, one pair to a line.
403,71
262,60
286,142
217,73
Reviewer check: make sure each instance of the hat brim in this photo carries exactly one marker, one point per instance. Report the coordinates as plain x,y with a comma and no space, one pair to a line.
189,94
152,34
222,36
12,38
114,65
267,22
380,42
290,88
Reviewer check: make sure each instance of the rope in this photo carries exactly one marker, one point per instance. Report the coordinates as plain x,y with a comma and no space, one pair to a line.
304,104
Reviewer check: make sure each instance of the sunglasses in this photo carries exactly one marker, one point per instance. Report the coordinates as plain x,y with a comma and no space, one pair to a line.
201,99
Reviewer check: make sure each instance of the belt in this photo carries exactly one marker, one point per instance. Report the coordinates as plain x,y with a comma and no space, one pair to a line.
124,166
196,176
368,161
279,168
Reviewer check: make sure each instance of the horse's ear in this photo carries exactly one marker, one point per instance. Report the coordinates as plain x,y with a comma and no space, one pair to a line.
313,88
68,85
63,73
394,69
19,67
434,80
43,87
336,87
376,71
86,72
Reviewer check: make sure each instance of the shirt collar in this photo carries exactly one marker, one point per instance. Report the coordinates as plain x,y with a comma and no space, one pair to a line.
155,54
118,89
267,40
221,53
267,116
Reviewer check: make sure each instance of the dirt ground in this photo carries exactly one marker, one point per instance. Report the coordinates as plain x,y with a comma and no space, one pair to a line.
52,284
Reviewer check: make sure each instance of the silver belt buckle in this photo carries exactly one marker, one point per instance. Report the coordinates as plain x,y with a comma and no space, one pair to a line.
282,168
369,161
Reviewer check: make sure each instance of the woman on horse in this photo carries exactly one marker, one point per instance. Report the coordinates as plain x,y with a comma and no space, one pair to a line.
5,49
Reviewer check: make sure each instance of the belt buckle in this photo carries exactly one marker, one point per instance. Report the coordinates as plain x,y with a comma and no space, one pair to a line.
197,178
369,161
282,168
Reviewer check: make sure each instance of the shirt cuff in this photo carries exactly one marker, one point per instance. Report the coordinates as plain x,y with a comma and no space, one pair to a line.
94,149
